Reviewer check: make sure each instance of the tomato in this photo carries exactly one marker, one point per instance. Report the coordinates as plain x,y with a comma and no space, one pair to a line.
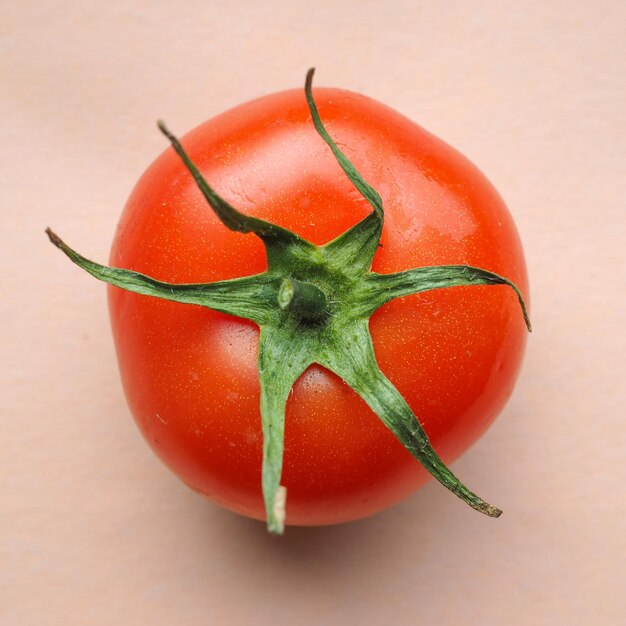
190,374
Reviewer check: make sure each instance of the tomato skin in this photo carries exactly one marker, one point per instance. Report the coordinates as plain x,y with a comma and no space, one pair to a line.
190,374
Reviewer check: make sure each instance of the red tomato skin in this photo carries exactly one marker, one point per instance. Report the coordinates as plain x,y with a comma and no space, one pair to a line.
190,374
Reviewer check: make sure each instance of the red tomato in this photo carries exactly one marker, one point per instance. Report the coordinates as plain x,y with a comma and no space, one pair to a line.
190,374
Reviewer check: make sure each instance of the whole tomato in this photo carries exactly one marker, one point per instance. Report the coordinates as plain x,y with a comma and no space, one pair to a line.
452,350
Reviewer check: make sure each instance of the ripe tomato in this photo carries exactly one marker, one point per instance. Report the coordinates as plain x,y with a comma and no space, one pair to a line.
190,374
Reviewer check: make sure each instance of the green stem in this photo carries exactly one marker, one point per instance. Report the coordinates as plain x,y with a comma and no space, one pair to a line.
305,300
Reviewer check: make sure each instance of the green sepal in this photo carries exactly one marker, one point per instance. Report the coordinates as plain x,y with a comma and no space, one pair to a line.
251,297
283,356
366,190
280,244
379,289
352,358
355,248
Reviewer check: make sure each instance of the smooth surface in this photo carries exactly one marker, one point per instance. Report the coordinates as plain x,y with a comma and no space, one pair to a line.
94,530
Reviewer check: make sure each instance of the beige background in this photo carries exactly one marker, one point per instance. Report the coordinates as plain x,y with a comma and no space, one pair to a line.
93,530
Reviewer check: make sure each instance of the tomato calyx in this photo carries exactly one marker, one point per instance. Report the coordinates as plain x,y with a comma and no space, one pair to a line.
313,306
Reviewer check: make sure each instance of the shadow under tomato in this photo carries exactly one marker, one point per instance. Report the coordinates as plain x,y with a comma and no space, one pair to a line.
340,548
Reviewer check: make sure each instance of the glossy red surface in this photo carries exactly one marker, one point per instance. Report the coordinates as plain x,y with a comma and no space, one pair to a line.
190,374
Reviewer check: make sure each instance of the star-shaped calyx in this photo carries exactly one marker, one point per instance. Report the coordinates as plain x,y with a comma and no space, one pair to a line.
312,305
